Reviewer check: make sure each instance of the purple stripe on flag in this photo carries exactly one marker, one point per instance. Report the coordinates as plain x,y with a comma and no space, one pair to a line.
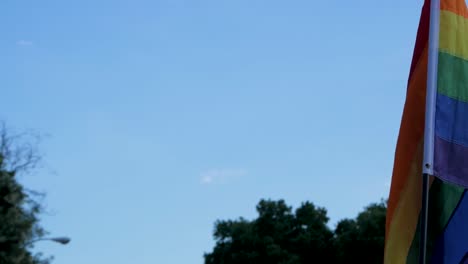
452,245
465,259
451,162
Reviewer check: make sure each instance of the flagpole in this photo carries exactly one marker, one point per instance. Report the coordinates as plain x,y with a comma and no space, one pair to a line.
431,93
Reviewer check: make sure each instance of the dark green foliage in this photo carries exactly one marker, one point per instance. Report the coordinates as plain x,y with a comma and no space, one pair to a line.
279,236
18,210
362,238
276,236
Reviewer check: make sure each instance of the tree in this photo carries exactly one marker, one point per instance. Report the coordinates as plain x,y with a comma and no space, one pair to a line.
18,207
279,236
276,236
362,238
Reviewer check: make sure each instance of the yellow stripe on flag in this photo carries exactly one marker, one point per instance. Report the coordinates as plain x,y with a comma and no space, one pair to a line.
453,38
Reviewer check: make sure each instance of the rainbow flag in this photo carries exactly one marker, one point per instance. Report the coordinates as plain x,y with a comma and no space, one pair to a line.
448,202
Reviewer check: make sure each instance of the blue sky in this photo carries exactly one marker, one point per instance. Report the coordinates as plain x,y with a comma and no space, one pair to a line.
165,116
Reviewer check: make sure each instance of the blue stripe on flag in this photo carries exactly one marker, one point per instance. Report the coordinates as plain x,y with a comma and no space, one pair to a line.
452,245
451,120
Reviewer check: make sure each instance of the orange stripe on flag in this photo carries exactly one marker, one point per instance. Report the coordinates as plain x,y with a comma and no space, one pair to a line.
411,133
456,6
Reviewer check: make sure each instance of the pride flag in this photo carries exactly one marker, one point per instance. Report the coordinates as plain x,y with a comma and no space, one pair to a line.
451,119
447,240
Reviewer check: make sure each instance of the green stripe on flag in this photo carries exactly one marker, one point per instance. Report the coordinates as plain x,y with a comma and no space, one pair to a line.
443,198
452,77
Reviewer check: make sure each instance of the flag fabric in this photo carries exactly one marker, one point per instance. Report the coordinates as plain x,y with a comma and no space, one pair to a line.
451,119
447,240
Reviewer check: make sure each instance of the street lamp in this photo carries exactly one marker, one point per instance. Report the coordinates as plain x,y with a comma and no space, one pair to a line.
60,240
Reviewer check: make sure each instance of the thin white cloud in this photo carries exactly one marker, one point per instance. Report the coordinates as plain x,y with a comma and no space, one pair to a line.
206,179
220,175
24,43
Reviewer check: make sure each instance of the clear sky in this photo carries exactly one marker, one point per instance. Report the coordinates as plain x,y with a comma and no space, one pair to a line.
167,115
